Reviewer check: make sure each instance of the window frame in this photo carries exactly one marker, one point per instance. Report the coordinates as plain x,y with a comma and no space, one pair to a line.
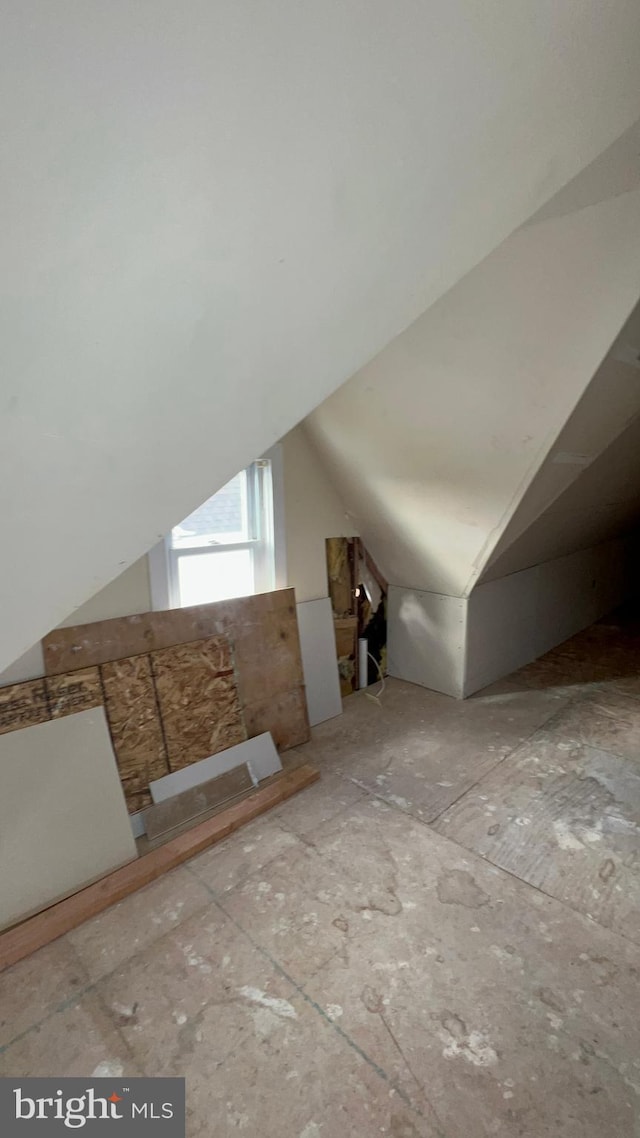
265,502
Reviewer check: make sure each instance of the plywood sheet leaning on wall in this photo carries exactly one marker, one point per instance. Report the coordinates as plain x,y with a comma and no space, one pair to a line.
74,691
266,619
284,716
23,705
262,629
86,645
198,700
136,731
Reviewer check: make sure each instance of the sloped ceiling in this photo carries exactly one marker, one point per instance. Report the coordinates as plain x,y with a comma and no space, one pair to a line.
602,503
435,442
215,213
588,488
614,172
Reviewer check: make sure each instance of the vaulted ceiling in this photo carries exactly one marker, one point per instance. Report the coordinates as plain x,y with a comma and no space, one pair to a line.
215,214
479,418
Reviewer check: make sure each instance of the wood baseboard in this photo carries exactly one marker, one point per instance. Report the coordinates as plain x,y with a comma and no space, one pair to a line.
23,939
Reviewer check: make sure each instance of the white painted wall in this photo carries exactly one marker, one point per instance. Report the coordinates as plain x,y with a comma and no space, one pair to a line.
215,213
435,441
427,639
459,645
588,487
614,172
127,594
515,619
602,503
312,512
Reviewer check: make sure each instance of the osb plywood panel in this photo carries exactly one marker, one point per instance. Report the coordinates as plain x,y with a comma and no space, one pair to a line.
263,630
74,691
346,633
132,711
68,649
198,700
85,645
268,656
23,705
285,716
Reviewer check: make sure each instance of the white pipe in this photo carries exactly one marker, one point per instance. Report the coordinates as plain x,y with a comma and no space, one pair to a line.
363,662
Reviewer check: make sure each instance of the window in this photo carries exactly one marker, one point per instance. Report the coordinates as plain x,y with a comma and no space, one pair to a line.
226,548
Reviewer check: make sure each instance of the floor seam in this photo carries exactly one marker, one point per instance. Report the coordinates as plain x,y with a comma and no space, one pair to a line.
538,889
543,725
92,985
430,824
331,1023
394,805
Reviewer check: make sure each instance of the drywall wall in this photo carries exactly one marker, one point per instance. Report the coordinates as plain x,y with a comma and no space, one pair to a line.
459,645
124,596
614,172
515,619
602,502
588,487
319,661
427,639
435,441
215,213
26,667
313,512
63,817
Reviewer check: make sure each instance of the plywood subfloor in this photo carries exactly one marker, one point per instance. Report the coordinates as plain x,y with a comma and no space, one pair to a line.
564,817
349,933
45,927
415,989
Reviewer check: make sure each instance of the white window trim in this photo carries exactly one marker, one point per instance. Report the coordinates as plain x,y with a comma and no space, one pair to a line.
161,557
274,456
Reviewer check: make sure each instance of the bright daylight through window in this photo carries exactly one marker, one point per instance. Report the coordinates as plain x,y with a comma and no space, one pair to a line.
225,548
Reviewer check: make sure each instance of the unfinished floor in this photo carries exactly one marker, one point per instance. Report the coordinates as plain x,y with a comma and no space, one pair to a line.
442,937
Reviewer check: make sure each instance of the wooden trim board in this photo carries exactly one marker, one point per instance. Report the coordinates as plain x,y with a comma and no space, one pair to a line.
34,933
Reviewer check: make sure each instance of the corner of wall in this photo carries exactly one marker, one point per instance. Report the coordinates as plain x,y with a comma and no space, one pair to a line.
427,639
515,619
314,511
